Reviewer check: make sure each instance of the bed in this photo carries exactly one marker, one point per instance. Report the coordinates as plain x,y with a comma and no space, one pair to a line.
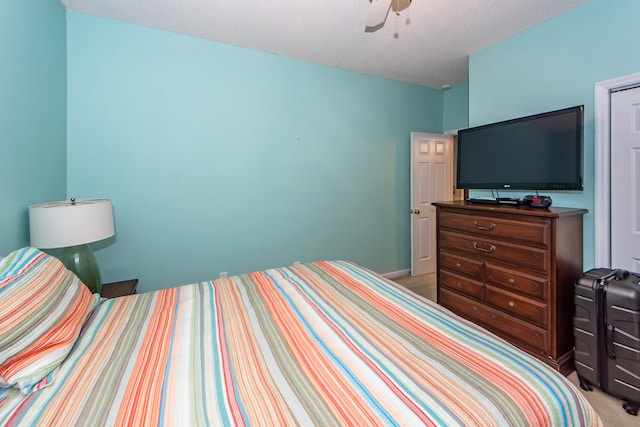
323,343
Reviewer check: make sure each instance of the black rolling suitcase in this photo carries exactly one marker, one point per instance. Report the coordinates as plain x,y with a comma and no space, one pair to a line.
606,328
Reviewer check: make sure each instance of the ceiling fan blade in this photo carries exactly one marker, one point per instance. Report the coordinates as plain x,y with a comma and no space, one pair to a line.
378,13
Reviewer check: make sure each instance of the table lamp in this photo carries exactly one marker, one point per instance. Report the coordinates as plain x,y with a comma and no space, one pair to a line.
72,225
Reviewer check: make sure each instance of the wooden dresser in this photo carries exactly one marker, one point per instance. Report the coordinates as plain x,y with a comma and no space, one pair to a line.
512,269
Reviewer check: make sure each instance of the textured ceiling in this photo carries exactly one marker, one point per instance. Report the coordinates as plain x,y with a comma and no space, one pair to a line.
428,44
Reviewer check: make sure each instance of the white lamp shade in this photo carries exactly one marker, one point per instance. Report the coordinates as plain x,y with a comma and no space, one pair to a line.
70,223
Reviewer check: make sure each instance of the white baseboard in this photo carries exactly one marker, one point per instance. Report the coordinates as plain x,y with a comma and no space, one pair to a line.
396,274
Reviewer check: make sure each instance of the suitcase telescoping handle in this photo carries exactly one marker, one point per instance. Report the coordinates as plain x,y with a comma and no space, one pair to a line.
619,274
611,352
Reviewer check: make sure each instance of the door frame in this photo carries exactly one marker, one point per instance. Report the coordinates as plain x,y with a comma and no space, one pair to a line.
602,171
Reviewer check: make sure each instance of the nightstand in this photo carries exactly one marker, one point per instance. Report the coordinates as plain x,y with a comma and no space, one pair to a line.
119,289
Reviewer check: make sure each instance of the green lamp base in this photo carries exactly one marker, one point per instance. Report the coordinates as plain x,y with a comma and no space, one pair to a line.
82,262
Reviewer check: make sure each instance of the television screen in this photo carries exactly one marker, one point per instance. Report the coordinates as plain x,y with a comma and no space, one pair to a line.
539,152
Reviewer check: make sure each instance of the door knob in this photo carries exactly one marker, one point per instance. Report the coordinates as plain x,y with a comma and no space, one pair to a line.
415,211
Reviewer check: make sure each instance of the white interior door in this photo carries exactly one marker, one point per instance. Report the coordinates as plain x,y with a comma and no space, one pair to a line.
625,179
431,181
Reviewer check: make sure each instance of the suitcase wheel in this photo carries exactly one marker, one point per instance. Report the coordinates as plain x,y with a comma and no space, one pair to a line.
584,384
631,407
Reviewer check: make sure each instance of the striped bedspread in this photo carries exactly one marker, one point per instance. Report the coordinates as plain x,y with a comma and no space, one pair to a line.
326,343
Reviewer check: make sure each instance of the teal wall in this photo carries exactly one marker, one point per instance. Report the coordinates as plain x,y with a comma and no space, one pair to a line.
555,65
219,158
456,107
32,113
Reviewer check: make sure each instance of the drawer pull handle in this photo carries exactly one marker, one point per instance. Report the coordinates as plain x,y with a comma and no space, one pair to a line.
512,281
512,304
483,228
459,285
458,265
478,248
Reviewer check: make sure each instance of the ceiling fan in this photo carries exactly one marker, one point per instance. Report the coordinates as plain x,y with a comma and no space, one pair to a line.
380,9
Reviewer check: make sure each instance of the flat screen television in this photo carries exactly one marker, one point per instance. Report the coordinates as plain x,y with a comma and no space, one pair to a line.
539,152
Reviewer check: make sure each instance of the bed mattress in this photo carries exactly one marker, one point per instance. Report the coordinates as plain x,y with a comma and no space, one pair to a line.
324,343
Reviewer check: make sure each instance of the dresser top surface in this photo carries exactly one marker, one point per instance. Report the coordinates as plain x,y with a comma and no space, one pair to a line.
553,211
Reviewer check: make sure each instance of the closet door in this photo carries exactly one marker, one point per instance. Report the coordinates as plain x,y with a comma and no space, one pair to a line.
625,179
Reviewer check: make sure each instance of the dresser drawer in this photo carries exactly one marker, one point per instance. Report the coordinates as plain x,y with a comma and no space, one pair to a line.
519,306
535,232
470,267
525,335
525,256
461,284
519,282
